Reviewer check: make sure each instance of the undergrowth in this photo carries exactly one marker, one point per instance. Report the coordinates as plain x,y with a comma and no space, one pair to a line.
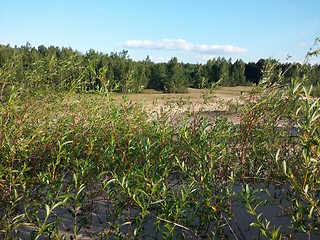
70,161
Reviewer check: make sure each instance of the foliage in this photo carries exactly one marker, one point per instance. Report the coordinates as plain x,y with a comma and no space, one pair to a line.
64,69
70,159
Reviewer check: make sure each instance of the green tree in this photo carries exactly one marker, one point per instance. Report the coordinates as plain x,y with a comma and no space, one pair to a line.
176,80
141,78
223,72
237,74
157,76
200,76
252,72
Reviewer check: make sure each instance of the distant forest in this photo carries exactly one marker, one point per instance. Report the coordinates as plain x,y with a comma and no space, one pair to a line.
65,69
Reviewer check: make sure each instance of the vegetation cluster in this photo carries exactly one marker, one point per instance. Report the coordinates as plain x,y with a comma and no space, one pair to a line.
168,176
65,68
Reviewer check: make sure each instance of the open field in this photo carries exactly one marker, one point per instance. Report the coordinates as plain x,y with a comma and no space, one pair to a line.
226,93
222,100
194,97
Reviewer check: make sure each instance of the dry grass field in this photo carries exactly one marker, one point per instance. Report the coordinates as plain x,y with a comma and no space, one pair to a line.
194,95
194,100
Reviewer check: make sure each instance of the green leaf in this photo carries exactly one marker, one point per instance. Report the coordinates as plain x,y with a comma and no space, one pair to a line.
275,232
105,184
296,87
64,196
284,165
311,212
126,223
47,210
45,228
277,155
65,143
254,225
59,203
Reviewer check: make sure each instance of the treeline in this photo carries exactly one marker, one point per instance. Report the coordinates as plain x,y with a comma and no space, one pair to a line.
65,69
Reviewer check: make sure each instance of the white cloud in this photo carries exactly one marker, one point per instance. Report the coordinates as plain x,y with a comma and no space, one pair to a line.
164,44
182,45
158,59
219,48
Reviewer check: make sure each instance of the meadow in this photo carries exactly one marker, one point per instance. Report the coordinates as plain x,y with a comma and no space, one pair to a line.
224,163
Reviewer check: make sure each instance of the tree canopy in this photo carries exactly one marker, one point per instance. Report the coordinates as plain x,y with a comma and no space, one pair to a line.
65,68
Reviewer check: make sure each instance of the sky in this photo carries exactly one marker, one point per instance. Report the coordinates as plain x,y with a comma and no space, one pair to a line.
191,30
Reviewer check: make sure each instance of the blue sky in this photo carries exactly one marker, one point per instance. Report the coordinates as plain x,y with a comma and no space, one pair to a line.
192,30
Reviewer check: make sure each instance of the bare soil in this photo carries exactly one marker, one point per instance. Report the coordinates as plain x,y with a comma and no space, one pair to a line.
220,101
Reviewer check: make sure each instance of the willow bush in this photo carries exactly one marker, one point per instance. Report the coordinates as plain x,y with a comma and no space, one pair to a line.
69,158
